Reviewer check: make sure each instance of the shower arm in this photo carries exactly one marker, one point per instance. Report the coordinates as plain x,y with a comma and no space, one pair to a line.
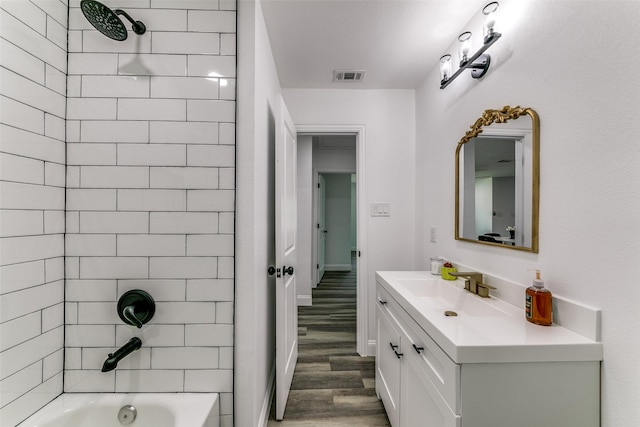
137,26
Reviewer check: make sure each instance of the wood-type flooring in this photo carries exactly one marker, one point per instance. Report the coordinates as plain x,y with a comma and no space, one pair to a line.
332,385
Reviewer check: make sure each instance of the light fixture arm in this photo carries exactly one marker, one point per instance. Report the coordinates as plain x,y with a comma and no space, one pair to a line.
479,62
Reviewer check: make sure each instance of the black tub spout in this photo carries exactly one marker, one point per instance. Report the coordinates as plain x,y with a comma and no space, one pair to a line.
112,361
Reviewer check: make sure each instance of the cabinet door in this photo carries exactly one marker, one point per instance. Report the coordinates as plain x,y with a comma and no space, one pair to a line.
388,367
421,404
432,362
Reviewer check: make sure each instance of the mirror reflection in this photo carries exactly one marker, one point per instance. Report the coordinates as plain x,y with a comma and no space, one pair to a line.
497,180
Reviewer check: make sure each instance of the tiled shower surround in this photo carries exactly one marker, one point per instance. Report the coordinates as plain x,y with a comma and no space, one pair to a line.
150,169
33,65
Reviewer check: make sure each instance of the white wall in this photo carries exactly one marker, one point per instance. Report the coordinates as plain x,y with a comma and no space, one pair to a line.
333,153
306,265
33,62
389,120
589,228
150,199
258,100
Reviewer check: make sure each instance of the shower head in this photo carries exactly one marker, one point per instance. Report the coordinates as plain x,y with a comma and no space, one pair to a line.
107,22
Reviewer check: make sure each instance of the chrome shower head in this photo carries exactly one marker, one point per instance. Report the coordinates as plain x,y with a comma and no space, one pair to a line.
107,22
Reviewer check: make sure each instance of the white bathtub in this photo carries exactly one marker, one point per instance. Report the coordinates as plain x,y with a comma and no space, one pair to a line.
153,410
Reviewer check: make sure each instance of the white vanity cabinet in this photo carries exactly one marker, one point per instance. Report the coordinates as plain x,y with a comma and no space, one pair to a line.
388,363
421,404
407,362
420,385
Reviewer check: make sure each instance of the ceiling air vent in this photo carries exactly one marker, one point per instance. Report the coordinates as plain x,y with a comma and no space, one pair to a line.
348,75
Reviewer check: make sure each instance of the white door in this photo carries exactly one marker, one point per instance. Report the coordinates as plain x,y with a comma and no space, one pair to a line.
321,228
286,226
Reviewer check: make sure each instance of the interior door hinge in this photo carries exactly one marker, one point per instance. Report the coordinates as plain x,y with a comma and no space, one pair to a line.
318,185
317,266
359,254
317,225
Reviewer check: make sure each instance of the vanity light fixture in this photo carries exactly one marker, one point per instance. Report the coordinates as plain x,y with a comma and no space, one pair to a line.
478,62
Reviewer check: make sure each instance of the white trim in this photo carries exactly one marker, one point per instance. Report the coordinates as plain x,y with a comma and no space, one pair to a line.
362,313
304,300
268,399
337,267
371,345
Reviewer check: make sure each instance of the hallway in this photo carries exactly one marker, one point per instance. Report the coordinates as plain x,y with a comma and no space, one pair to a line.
332,385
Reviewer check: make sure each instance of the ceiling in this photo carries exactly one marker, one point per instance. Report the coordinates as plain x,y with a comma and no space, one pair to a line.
494,157
397,42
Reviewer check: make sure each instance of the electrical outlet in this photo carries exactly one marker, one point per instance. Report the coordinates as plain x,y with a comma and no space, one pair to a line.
380,209
432,235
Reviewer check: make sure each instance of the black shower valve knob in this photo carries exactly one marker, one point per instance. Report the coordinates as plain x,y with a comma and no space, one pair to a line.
136,307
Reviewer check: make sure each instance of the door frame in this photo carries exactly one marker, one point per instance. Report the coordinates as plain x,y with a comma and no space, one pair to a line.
317,190
316,199
362,298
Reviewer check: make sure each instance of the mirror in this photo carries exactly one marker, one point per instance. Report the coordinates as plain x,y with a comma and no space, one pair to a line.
498,180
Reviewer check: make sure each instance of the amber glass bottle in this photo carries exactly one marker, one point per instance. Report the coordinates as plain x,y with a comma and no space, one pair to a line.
538,303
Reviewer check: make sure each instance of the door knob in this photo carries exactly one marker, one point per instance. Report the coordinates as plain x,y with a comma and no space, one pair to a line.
287,270
271,270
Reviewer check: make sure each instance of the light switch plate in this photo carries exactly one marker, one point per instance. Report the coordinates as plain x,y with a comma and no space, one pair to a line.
380,209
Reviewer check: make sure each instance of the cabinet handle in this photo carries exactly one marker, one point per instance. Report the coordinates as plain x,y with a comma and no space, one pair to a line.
393,347
418,349
381,302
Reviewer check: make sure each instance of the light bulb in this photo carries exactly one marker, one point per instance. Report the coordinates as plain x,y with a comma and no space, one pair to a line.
464,40
490,11
445,68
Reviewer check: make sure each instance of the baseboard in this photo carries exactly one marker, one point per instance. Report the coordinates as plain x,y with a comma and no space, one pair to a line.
268,399
337,267
371,348
304,300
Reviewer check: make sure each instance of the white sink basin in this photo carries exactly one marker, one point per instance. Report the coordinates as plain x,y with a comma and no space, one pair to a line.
430,288
486,330
446,297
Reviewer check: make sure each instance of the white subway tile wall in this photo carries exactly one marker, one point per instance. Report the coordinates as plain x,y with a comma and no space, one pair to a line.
33,67
150,198
129,149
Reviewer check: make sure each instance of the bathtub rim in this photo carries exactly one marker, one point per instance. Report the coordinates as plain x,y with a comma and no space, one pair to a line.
68,401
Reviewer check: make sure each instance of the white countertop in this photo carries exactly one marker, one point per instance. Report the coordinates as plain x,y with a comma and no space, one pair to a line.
495,335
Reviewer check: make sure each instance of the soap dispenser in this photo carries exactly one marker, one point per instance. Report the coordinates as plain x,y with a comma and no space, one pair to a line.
538,305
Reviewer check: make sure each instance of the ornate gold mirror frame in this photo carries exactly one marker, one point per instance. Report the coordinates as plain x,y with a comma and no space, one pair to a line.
502,116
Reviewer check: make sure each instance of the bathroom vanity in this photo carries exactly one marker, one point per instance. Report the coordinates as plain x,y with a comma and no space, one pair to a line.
449,358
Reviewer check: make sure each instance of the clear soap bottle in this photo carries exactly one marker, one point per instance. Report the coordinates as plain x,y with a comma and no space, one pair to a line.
538,303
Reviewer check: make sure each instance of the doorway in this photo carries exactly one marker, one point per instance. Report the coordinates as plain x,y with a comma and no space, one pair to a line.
340,160
336,226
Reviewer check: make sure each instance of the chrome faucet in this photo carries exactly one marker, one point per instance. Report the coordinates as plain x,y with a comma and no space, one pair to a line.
112,361
473,283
